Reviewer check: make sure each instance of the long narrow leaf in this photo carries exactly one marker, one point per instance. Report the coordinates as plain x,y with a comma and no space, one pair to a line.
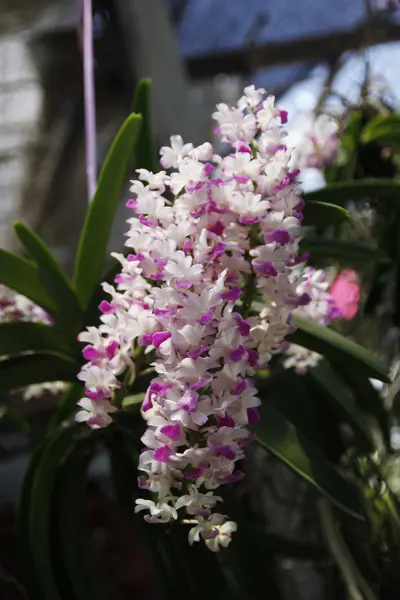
21,275
67,405
23,336
344,251
323,214
283,440
53,278
73,544
335,390
144,152
343,191
97,226
383,128
334,346
58,447
368,398
21,371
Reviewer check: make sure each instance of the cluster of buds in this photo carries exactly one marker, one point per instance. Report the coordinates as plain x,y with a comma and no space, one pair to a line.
209,236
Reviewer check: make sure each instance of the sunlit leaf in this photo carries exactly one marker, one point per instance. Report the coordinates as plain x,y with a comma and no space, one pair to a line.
335,346
53,279
99,217
21,275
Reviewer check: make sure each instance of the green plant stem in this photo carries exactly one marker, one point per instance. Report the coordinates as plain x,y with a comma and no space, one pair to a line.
357,587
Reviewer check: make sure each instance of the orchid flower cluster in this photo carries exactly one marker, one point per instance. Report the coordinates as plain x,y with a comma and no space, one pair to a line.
208,235
320,145
16,307
321,309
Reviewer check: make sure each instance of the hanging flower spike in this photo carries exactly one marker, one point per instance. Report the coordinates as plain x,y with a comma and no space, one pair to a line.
185,292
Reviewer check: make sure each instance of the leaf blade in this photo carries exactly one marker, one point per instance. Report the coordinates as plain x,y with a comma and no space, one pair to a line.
282,439
98,221
334,346
22,371
323,214
21,275
341,192
23,336
53,278
144,153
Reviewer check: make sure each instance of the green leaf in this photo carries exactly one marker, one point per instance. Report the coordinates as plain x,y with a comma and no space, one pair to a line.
21,275
334,389
23,525
53,278
75,554
323,214
144,153
367,398
340,250
56,450
23,336
343,191
383,128
336,347
21,371
285,442
99,217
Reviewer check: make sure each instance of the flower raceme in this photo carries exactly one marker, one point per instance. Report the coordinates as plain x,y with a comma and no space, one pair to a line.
183,300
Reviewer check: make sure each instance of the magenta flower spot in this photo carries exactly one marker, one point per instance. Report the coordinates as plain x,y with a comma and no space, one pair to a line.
94,395
226,421
148,221
206,317
217,251
195,474
189,401
183,285
159,337
303,299
253,416
163,312
238,353
248,220
112,349
218,228
240,386
232,295
121,278
225,451
131,204
200,383
135,257
187,246
208,169
283,115
162,454
107,308
198,352
173,432
241,178
146,339
252,356
90,353
280,236
265,268
242,147
242,325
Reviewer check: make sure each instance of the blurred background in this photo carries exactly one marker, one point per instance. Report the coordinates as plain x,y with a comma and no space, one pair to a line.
198,52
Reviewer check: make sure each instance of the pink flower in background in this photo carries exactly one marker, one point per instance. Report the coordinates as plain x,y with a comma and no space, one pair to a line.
345,291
